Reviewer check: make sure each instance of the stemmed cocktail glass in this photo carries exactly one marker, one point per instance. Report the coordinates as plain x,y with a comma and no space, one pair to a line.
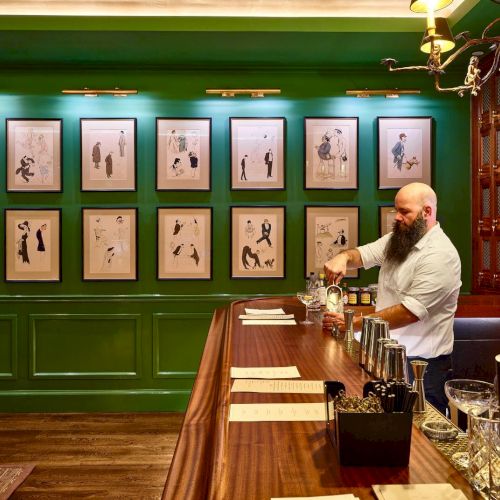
466,394
307,299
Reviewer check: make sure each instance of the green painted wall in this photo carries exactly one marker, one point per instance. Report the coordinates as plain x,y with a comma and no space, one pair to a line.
156,357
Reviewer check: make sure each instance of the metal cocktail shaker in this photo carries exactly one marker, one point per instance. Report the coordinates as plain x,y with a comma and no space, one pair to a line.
379,357
364,341
419,368
395,363
380,330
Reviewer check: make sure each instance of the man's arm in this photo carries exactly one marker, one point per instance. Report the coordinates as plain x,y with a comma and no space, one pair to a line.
397,316
336,268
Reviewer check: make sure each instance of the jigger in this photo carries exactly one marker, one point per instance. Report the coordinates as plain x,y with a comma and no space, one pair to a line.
349,329
419,368
395,363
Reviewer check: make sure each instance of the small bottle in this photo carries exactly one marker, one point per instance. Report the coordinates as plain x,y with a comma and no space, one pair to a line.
322,289
353,296
365,296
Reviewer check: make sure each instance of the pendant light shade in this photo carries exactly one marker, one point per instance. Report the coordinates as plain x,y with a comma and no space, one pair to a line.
422,6
442,36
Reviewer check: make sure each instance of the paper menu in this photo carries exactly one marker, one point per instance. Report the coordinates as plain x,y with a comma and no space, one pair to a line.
349,496
279,386
249,322
277,412
270,372
264,311
266,316
443,491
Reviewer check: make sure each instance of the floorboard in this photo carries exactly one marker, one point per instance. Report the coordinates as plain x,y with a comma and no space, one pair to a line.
90,455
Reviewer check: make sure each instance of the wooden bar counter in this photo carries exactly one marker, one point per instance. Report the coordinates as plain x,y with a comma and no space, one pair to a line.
215,459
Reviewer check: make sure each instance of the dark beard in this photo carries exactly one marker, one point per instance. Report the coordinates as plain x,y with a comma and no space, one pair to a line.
403,239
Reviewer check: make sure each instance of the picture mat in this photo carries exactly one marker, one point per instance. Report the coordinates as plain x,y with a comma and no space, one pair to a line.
191,233
386,218
324,225
331,173
196,134
244,241
108,133
39,140
43,265
109,248
254,137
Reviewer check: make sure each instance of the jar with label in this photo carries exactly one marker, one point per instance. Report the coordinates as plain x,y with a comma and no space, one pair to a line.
353,296
373,292
365,297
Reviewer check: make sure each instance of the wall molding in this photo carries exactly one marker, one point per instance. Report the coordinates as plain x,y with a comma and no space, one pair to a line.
94,400
12,375
33,341
157,317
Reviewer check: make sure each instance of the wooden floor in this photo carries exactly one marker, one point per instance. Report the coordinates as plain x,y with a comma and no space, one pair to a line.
89,455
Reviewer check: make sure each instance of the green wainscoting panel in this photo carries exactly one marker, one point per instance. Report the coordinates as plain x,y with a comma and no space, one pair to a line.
8,346
70,346
178,341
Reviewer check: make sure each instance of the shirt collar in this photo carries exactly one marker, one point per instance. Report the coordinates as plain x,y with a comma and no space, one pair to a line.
422,241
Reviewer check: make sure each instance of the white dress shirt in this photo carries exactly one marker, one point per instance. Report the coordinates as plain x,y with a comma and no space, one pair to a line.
427,283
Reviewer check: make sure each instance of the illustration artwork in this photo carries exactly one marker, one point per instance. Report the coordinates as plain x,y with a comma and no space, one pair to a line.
109,244
331,153
32,245
257,242
329,231
33,155
184,237
108,155
183,154
257,160
404,151
331,237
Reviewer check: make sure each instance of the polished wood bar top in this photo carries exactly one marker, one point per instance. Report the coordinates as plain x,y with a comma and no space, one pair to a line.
216,459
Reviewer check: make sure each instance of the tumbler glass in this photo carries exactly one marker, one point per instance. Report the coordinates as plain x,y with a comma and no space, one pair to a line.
484,451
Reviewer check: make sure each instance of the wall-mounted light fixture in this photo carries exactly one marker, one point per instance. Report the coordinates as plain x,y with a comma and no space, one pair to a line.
250,92
116,92
389,93
438,39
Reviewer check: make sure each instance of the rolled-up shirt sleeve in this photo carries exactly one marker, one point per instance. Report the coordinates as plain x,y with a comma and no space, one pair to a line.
373,253
434,280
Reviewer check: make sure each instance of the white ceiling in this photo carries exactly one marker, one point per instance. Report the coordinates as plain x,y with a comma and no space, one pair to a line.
237,8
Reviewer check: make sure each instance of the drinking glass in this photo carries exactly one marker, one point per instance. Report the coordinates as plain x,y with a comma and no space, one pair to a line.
307,299
484,451
467,394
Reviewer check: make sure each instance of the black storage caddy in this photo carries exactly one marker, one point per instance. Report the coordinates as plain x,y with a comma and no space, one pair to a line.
368,439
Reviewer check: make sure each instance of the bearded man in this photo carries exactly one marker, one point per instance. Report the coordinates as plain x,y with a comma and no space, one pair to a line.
418,285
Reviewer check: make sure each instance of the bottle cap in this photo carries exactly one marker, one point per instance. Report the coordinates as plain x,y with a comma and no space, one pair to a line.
321,275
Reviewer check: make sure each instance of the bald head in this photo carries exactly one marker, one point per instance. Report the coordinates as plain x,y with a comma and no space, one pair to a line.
417,198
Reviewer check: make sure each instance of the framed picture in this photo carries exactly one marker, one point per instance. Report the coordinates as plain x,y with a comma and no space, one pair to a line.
331,153
404,151
328,231
257,153
34,155
386,215
33,244
184,243
257,242
109,238
108,154
183,154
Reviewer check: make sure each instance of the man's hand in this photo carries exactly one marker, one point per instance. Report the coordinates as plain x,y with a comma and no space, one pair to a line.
331,318
336,268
